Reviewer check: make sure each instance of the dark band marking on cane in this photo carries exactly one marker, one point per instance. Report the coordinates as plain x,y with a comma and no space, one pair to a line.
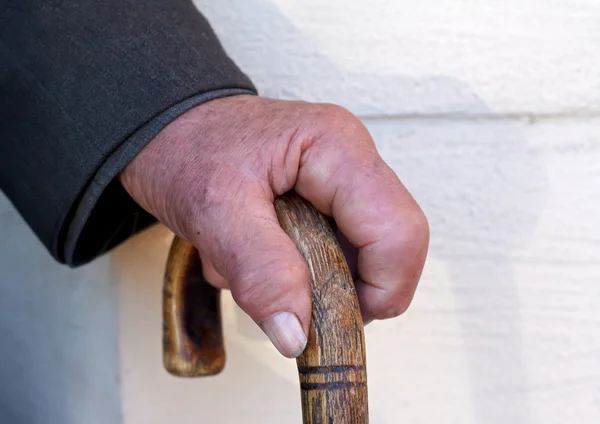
336,385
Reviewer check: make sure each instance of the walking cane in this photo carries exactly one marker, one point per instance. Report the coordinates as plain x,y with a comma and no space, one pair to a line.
333,379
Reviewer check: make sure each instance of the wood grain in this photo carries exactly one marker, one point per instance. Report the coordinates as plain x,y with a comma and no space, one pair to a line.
333,377
332,373
192,329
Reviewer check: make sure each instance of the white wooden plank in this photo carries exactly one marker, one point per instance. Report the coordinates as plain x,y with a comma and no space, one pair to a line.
381,57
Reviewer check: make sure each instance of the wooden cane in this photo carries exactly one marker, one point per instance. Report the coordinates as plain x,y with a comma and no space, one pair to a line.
333,379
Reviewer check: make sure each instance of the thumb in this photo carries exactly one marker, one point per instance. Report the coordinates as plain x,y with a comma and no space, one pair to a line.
266,273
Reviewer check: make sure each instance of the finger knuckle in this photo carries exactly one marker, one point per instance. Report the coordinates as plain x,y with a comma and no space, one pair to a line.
337,117
247,294
396,305
333,111
421,231
414,241
266,283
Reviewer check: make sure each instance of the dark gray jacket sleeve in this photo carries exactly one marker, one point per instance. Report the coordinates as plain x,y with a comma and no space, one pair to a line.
84,85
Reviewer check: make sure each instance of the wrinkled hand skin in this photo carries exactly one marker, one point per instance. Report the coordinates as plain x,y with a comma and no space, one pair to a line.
212,174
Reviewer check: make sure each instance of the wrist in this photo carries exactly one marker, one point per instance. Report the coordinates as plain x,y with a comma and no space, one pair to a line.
161,175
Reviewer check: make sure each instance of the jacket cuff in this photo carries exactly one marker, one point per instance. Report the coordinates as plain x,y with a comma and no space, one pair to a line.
105,215
84,85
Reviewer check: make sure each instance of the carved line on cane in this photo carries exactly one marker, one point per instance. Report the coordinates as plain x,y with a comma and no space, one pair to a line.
336,385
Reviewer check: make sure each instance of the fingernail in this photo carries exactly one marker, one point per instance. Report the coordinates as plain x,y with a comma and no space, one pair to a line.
286,333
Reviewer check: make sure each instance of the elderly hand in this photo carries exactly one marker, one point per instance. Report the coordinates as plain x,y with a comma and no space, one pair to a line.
212,174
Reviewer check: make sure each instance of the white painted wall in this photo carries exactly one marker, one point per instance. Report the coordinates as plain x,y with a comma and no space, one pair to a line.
58,347
490,113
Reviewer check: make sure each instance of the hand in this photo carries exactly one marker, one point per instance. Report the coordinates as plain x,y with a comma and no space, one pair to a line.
212,174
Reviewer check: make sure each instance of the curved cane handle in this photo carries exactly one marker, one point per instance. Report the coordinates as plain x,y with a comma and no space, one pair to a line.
332,371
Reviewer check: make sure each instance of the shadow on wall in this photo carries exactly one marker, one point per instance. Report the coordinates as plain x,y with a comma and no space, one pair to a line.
284,63
479,183
482,189
58,351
